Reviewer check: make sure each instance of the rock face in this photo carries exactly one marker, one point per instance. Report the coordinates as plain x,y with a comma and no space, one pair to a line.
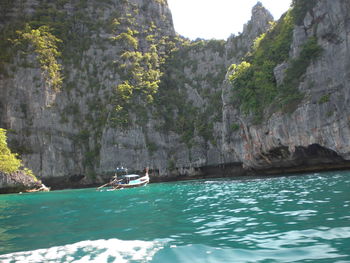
72,138
17,182
66,136
316,133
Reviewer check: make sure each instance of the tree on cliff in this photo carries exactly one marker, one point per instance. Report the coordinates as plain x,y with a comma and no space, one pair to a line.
13,176
44,44
9,163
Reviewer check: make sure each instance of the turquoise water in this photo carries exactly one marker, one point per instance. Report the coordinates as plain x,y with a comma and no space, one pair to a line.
285,219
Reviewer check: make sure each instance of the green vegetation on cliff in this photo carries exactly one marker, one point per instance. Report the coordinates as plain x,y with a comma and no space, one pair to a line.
300,8
289,93
9,162
254,83
44,45
141,57
255,86
184,74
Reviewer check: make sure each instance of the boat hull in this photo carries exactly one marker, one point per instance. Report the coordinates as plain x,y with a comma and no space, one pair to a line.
127,181
133,183
121,186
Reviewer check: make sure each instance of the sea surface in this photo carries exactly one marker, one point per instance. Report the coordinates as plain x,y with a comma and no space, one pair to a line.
298,218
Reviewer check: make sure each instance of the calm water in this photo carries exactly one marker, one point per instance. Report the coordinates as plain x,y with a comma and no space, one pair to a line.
286,219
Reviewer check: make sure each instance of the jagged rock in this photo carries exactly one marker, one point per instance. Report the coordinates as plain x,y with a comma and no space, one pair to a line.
321,125
238,46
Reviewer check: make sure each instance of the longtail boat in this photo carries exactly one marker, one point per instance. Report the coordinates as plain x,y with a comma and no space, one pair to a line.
127,180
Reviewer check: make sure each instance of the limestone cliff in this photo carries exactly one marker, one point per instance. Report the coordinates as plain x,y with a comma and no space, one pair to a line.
65,135
315,134
134,93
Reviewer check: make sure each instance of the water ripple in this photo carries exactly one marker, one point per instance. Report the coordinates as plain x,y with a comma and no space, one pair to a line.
284,219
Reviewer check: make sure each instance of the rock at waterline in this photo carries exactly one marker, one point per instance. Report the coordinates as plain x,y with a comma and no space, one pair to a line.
20,182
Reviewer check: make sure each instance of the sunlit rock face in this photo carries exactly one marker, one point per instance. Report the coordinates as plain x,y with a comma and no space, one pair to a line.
71,137
67,134
316,133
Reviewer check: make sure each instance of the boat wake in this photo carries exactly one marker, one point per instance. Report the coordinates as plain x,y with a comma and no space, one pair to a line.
111,250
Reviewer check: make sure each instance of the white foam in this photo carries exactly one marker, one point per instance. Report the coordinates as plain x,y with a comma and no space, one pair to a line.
111,250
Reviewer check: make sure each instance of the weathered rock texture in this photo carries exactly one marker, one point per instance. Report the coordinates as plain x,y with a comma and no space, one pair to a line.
68,138
17,182
316,134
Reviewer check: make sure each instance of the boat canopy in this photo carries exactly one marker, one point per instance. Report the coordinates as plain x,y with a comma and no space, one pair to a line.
131,175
